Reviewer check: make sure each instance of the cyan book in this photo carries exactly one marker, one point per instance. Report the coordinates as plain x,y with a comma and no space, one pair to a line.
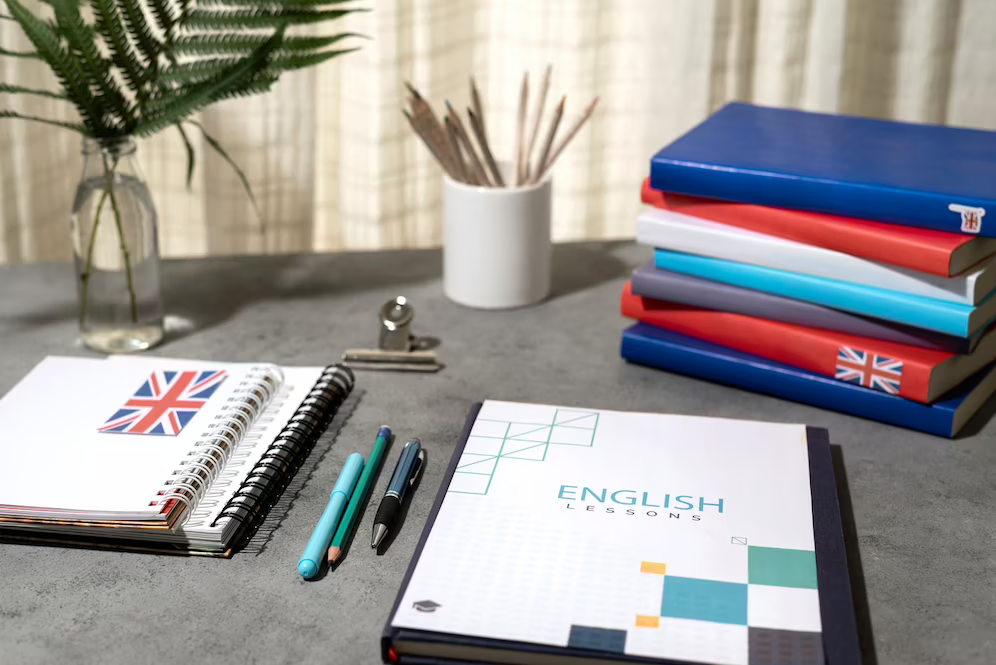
571,534
927,176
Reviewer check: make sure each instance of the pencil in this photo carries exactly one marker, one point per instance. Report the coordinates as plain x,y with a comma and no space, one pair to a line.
454,143
475,163
534,129
360,495
426,119
550,134
547,163
475,100
520,130
483,143
428,143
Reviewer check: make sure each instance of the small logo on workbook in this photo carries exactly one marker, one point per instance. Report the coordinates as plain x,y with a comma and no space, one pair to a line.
165,403
426,605
971,218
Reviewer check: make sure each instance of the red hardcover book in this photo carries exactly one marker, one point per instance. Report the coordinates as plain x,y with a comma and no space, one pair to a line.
928,251
912,372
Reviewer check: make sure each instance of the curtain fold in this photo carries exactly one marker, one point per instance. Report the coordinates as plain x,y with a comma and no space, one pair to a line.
334,165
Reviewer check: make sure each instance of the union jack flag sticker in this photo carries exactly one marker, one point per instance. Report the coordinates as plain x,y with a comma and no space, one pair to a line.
869,370
165,403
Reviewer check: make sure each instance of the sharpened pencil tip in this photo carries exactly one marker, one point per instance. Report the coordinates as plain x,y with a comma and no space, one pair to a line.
334,554
412,90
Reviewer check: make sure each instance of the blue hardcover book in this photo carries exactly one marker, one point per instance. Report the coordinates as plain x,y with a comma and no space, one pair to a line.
928,176
927,313
654,347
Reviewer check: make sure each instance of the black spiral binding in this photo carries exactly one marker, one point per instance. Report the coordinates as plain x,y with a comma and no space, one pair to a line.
276,468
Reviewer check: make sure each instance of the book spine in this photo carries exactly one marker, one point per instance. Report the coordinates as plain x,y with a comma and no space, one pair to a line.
921,209
928,313
892,369
674,231
641,346
919,250
285,454
673,286
223,442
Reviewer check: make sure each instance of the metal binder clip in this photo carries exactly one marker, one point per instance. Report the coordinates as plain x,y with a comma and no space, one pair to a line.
398,346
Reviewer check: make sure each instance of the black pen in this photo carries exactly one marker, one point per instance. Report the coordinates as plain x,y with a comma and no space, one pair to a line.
405,474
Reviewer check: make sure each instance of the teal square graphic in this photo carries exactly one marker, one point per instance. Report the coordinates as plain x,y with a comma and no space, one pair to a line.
705,600
778,567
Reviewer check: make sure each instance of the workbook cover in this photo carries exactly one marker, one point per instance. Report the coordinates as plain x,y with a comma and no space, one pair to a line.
636,535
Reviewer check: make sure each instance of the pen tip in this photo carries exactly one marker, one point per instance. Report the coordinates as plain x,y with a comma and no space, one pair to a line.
378,535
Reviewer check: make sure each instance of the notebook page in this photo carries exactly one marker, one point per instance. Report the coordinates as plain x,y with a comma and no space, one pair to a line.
652,535
298,381
56,455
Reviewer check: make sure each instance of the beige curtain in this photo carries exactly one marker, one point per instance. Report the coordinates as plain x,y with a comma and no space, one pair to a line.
335,167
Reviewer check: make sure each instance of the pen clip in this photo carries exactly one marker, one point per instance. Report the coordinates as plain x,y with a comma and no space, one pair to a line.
418,468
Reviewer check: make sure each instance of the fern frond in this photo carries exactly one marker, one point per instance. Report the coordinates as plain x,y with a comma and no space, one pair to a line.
203,93
19,54
76,127
198,70
81,40
271,3
140,32
294,61
231,162
208,44
191,155
47,45
165,18
122,53
260,18
6,88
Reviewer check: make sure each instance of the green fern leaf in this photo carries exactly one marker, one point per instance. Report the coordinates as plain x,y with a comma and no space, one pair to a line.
19,54
272,3
47,45
165,18
122,53
76,127
208,44
191,155
260,18
203,93
140,32
6,88
231,162
199,70
81,40
300,61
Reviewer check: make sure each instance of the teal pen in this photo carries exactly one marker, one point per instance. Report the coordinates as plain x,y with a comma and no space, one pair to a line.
322,536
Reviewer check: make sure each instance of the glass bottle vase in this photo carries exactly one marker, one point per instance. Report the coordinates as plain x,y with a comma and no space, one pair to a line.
116,251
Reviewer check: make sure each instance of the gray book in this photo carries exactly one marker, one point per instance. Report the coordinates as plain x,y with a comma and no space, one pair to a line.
652,282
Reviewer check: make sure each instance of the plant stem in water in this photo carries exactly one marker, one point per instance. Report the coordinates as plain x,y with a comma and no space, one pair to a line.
88,265
109,173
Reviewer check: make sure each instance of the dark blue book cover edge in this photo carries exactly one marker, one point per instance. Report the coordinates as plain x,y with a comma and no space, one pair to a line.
840,643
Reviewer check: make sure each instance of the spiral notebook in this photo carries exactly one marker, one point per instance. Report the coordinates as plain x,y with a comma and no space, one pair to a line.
151,453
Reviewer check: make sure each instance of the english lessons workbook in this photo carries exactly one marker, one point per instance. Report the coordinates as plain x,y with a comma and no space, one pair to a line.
630,534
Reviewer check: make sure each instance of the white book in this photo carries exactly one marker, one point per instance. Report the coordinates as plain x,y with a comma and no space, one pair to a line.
578,535
678,232
147,451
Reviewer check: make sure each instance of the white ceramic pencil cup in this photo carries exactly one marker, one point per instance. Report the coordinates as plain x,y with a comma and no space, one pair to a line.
496,244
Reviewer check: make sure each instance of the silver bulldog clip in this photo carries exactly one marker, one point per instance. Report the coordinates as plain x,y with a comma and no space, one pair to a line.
400,350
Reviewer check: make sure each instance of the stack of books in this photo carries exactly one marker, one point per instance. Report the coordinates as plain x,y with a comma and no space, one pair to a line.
838,261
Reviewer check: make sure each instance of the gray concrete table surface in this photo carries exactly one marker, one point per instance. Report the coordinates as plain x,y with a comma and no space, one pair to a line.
919,509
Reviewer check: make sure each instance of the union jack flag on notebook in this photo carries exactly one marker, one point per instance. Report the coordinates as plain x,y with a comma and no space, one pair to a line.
869,369
165,403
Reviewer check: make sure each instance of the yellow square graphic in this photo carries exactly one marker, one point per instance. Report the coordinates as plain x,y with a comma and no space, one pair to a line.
643,621
653,568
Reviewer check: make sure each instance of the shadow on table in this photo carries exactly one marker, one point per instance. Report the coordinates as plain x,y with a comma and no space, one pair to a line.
866,638
207,293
